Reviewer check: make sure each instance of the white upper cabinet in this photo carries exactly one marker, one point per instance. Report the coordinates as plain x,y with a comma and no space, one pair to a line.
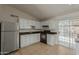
26,24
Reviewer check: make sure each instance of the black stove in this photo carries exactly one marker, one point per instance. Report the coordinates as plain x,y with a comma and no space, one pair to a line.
43,36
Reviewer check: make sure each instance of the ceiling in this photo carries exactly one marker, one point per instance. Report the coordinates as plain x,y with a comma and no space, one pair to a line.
46,11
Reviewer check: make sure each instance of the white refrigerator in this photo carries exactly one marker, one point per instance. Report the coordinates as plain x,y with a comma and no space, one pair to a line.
9,37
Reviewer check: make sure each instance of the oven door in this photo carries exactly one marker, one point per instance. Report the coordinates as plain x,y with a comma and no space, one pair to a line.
43,38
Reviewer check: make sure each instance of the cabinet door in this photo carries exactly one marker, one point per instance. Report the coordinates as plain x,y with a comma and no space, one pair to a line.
36,37
25,40
29,39
51,39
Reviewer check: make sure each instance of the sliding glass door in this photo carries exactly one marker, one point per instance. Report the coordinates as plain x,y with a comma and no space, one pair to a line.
69,33
64,34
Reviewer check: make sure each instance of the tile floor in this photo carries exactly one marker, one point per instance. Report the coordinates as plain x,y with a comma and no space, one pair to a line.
44,49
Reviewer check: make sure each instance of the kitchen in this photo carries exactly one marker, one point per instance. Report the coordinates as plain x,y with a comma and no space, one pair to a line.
30,30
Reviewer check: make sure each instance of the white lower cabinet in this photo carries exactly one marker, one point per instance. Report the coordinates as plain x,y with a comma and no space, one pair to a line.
29,39
52,39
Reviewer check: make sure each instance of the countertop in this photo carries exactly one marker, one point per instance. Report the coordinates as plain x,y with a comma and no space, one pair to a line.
29,30
34,31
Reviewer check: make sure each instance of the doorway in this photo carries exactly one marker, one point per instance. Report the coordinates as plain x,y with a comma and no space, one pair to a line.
69,34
